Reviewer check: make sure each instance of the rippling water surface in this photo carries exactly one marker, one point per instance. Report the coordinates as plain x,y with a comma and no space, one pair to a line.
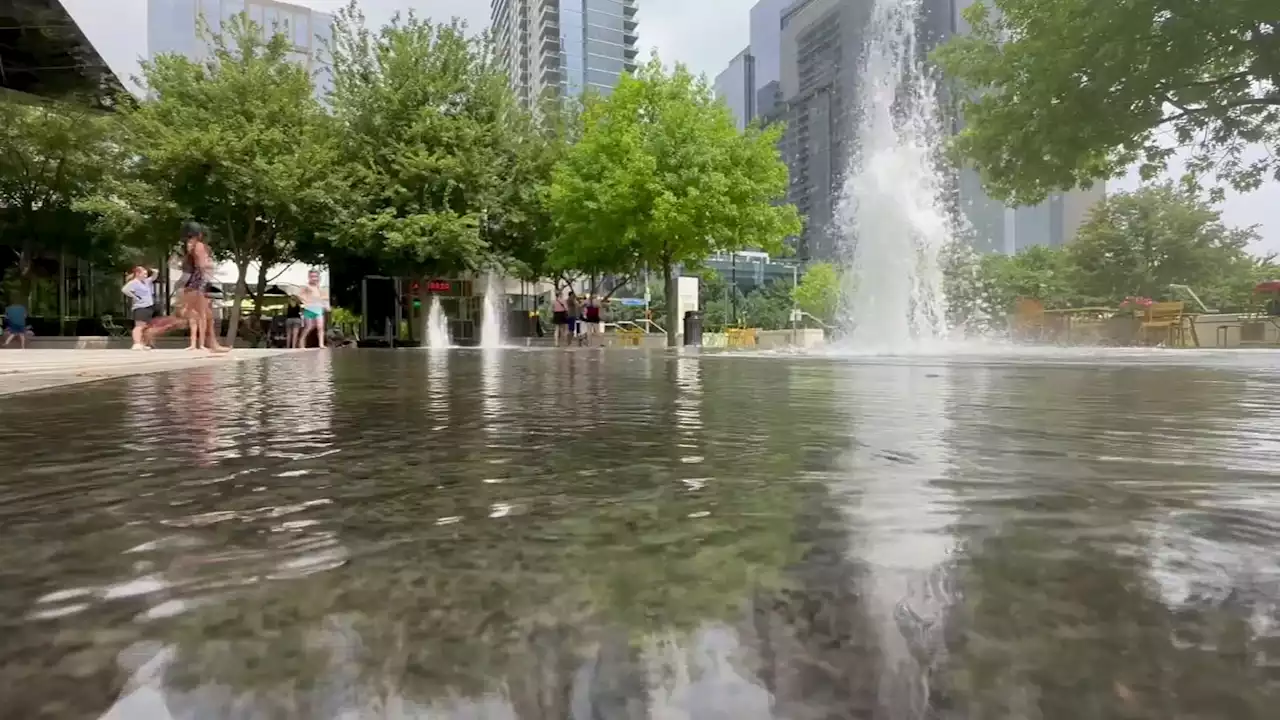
595,535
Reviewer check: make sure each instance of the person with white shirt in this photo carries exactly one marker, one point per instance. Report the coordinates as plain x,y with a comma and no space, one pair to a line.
141,291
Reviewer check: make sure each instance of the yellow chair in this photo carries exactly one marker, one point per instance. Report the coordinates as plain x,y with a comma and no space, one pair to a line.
1028,320
1164,318
742,337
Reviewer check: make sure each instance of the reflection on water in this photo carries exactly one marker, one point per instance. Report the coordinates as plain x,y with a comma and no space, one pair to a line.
587,534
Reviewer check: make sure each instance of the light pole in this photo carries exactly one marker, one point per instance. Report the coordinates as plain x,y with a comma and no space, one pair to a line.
795,283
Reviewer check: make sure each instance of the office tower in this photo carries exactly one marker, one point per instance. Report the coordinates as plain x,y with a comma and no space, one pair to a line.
173,27
736,87
820,59
562,48
766,49
821,46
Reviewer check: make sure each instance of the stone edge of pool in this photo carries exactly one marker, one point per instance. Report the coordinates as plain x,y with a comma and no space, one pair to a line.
31,370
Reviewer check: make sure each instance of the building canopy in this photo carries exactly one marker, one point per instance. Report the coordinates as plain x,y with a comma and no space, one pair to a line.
44,53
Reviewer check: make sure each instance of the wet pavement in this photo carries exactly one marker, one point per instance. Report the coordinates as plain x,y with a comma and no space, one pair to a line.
599,535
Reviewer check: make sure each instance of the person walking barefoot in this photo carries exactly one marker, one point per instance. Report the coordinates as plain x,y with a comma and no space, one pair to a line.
315,301
195,308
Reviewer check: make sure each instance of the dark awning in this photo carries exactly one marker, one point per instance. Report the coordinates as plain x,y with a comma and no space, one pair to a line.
44,53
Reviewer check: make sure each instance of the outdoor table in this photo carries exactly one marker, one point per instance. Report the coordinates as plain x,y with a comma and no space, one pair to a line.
1069,315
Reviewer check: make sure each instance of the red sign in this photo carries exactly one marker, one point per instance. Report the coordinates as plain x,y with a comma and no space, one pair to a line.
438,286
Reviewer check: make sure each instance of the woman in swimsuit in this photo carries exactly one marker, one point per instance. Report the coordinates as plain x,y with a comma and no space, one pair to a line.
193,303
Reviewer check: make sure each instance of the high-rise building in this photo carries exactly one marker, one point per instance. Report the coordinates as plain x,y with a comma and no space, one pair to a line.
766,49
820,50
818,61
173,26
562,48
736,87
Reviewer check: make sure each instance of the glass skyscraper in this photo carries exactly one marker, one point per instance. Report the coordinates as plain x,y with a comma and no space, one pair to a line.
173,27
559,48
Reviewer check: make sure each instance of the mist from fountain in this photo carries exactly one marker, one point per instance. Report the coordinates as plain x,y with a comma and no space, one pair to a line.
437,325
491,316
894,219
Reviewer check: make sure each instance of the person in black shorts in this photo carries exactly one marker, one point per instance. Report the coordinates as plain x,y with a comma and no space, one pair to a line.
141,291
293,323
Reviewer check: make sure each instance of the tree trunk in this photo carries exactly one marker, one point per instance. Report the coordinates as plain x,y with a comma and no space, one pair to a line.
233,325
670,282
260,289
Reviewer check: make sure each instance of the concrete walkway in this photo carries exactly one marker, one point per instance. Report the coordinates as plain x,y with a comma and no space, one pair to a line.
32,369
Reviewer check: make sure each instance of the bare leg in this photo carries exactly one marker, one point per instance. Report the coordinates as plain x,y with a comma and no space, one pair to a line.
8,338
319,325
22,340
194,326
138,329
211,334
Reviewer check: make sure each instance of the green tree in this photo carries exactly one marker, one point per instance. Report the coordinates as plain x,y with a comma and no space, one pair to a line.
1140,243
52,157
818,292
238,143
1062,93
767,307
427,119
661,177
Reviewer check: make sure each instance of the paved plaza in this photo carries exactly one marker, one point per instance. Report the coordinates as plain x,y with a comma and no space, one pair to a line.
37,369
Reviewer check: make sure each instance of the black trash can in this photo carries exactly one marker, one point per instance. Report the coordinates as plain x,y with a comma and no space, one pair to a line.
693,328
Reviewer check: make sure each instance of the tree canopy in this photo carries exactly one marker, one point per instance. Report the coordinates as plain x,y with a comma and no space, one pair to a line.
661,177
819,292
1134,244
427,120
1058,94
236,142
52,158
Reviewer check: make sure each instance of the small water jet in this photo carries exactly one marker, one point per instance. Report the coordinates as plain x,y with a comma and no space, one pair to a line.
437,325
492,311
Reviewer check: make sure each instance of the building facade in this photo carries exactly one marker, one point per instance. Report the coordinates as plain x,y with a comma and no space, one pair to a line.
736,87
563,48
821,46
173,26
766,49
804,62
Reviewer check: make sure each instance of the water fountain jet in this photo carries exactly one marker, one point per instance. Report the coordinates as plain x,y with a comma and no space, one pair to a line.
491,316
437,325
894,218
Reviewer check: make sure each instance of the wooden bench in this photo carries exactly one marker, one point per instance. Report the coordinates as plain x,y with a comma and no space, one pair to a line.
1162,318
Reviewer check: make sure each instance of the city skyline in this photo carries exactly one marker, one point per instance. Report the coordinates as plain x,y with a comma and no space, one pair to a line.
678,29
559,48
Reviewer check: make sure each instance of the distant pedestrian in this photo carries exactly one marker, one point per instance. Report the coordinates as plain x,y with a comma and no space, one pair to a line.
141,291
315,302
293,323
560,318
15,324
591,318
572,309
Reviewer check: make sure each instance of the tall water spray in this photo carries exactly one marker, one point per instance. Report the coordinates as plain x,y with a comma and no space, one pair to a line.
437,325
894,216
491,317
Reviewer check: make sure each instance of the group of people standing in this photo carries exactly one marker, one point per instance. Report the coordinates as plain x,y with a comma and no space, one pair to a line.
575,320
195,307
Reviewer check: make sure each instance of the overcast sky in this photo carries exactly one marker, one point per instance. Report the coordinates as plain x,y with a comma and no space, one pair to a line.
703,34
